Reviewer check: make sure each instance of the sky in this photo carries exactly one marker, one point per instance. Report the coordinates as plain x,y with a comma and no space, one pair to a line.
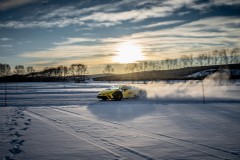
44,33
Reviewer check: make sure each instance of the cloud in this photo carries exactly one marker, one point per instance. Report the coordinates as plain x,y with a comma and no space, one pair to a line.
107,14
212,3
114,14
224,2
193,37
5,39
43,63
102,24
6,46
72,11
9,4
74,40
160,24
41,24
198,35
134,15
189,38
71,51
24,42
57,17
183,13
207,27
52,61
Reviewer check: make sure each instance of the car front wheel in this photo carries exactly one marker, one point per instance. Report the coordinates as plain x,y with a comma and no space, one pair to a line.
117,96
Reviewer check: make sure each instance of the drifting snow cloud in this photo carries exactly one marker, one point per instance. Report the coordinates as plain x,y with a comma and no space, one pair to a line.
213,87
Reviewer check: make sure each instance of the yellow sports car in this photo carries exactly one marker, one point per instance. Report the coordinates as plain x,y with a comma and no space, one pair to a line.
118,92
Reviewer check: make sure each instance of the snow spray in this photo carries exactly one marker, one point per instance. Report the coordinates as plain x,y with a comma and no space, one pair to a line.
215,87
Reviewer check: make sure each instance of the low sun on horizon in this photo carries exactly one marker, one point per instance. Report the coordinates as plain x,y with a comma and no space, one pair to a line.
128,52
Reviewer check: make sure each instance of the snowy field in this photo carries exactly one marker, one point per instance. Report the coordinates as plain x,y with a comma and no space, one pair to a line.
59,121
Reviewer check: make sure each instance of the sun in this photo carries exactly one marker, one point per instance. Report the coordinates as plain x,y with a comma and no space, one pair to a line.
128,52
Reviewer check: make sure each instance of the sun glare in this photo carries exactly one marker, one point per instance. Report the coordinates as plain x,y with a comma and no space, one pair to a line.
128,52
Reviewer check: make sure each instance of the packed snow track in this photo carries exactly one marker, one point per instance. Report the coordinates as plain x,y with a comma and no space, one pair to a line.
147,129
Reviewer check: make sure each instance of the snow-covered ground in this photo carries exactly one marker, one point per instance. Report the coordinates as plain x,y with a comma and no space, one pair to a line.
59,121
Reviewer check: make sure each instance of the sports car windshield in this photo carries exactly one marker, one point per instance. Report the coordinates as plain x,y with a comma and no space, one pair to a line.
113,87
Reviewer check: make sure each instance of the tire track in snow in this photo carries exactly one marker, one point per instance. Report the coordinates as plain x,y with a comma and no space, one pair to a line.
131,152
47,121
213,151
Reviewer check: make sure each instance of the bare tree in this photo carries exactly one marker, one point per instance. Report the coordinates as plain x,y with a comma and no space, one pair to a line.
131,67
61,71
19,69
48,72
145,65
174,63
201,58
190,60
54,72
30,70
184,60
82,69
78,70
234,57
215,57
5,70
139,66
64,71
209,58
167,63
108,70
223,56
2,70
71,70
152,65
160,65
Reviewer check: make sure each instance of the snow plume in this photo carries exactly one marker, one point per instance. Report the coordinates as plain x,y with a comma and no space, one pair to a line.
216,86
219,77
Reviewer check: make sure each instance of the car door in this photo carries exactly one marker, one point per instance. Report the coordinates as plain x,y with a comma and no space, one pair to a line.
128,92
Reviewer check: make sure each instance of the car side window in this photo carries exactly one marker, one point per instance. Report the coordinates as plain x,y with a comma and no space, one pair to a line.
124,88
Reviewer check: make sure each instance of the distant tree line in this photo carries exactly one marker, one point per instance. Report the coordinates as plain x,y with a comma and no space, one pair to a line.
74,71
217,57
